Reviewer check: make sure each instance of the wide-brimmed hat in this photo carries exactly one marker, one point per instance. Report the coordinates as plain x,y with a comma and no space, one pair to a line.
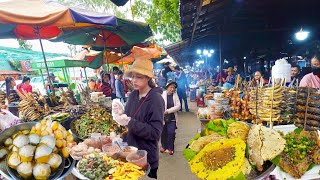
141,66
170,82
230,69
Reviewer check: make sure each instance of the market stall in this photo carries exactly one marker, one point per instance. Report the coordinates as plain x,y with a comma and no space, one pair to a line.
64,63
278,126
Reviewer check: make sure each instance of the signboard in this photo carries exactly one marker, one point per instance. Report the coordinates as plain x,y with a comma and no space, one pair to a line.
59,64
26,66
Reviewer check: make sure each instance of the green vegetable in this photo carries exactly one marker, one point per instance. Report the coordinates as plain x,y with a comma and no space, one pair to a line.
240,176
222,126
197,136
276,160
188,154
298,130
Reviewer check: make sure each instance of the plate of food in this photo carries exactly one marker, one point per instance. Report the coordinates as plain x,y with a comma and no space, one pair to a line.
301,156
229,149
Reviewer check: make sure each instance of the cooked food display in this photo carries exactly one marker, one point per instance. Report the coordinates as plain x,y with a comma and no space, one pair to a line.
96,120
308,109
302,150
218,152
33,153
263,144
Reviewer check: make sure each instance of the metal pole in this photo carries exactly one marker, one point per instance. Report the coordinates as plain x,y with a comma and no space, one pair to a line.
220,58
85,74
45,60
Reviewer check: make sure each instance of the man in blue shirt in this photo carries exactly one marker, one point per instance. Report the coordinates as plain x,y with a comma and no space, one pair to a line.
183,85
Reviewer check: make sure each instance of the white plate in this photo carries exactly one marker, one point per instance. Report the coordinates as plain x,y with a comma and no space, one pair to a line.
311,174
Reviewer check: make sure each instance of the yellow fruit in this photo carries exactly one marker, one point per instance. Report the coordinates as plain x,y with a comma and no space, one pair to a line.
65,134
55,125
58,134
43,128
64,142
65,152
43,122
38,132
33,130
44,133
59,143
70,139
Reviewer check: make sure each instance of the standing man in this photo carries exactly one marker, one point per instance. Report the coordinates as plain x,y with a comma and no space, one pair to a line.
183,85
113,81
295,71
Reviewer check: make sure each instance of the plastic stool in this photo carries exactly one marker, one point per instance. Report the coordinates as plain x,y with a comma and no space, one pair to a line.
200,102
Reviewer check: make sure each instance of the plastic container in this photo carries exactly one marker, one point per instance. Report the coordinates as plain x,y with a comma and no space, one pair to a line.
138,158
281,70
110,149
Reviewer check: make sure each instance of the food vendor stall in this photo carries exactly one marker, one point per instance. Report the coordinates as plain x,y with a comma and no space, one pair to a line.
64,64
262,117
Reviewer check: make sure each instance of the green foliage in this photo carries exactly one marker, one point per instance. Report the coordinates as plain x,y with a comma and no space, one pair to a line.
23,44
16,65
240,176
162,16
188,154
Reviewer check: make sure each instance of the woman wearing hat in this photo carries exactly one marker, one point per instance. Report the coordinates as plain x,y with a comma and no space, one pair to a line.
143,113
172,106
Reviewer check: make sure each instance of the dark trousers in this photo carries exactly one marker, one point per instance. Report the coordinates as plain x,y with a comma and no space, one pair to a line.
183,96
113,96
168,135
153,173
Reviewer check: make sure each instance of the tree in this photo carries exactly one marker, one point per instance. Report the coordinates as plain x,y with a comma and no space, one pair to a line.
23,44
162,15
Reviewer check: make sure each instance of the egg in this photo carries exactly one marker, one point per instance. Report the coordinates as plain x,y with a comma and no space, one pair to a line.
55,160
8,142
48,140
38,126
3,152
25,169
34,139
41,171
13,160
42,154
26,153
20,140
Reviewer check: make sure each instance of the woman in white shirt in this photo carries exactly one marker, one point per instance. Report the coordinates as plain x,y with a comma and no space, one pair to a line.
172,106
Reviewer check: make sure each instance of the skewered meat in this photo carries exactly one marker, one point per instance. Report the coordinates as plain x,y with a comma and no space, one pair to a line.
309,116
295,170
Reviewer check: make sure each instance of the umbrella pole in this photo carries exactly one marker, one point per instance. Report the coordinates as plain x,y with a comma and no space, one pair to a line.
122,57
85,74
45,60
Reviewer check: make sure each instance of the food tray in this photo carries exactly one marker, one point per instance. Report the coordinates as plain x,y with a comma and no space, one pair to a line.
69,162
311,174
76,172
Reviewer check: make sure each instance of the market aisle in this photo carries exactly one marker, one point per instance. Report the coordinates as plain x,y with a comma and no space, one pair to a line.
176,167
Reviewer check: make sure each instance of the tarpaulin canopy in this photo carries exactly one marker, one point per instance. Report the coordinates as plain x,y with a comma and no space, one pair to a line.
62,62
19,18
153,51
18,54
125,33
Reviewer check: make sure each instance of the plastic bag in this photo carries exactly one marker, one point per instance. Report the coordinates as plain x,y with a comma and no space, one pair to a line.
7,119
117,108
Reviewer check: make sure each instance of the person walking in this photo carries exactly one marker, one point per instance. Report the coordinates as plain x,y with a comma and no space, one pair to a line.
172,106
183,85
120,87
143,113
113,81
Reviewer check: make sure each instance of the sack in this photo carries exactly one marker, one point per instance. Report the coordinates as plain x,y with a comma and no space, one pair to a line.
169,117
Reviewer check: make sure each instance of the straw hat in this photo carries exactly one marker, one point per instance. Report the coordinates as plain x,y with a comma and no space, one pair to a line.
230,69
141,66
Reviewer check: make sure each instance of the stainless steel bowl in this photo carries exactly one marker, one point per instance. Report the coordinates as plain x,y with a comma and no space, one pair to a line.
68,165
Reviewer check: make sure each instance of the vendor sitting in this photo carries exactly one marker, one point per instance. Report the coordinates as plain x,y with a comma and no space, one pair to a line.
230,79
312,79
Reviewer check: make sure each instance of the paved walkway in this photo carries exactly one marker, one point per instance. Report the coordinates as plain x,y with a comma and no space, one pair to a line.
176,167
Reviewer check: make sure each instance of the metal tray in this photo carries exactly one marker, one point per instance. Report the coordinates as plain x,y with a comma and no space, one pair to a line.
69,162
